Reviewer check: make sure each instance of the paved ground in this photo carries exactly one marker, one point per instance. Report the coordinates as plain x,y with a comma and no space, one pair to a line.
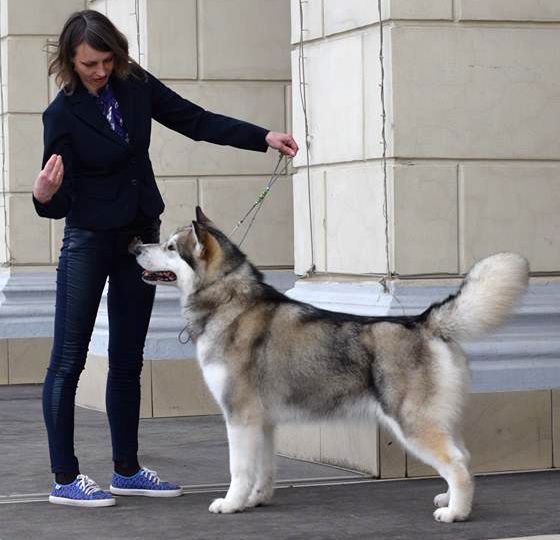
193,452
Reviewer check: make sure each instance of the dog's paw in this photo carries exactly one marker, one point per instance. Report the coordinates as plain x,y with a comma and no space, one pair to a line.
446,515
260,497
222,506
441,500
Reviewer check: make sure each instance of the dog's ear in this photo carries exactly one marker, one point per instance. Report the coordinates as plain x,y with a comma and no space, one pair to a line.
202,218
198,235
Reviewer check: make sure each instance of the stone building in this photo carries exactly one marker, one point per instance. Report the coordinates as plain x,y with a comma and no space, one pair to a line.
468,165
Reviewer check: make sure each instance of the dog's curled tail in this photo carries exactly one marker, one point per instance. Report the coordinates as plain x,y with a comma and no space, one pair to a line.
485,299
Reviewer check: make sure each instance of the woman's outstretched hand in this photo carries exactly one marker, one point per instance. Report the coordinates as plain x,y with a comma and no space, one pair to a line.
49,179
283,142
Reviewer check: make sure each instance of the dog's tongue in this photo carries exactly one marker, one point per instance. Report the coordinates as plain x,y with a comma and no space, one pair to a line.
159,276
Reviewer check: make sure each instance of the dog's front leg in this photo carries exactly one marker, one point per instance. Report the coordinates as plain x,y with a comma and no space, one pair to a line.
243,441
264,482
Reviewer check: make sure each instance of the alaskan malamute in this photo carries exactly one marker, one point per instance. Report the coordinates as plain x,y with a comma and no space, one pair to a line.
267,358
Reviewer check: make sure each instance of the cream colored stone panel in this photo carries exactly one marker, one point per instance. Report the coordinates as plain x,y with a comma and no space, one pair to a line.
333,78
172,40
350,445
421,9
98,5
392,457
306,226
302,441
425,219
355,222
373,116
28,359
245,39
506,10
29,234
270,240
556,426
312,13
466,92
341,16
505,431
510,208
179,389
123,15
4,361
93,381
180,197
25,72
24,150
37,16
258,103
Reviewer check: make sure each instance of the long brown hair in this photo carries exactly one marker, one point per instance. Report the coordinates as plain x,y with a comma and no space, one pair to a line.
99,32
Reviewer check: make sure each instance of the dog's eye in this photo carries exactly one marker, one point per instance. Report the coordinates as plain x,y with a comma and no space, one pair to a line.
171,247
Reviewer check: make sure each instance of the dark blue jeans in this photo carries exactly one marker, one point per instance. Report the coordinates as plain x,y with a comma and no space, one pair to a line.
87,259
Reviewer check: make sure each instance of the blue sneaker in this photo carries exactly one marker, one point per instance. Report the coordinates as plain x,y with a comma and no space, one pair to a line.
144,482
81,492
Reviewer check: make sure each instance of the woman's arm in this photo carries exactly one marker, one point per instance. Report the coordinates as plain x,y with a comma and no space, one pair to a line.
185,117
51,191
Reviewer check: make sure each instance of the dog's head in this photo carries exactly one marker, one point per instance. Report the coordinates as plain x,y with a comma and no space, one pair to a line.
192,256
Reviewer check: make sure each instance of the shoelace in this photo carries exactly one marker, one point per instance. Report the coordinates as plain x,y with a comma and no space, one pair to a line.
150,475
87,485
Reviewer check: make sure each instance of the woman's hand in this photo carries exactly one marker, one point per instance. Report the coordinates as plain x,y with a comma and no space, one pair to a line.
49,179
283,142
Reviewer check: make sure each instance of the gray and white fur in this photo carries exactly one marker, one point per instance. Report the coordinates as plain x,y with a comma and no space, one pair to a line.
268,359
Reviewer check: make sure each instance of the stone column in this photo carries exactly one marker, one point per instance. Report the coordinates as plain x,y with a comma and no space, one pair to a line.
28,244
473,149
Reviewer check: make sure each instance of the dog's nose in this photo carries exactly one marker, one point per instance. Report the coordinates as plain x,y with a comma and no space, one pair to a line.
135,246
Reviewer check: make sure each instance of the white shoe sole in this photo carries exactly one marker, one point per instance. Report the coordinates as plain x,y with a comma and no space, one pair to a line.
146,492
74,502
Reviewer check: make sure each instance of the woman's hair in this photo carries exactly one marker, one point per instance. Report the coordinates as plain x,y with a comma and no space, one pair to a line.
95,29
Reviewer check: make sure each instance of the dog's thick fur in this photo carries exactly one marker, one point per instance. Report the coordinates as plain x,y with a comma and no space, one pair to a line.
267,358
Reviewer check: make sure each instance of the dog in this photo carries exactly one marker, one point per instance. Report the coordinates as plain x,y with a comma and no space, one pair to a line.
267,359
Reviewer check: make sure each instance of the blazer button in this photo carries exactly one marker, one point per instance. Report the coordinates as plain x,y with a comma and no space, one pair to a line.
134,181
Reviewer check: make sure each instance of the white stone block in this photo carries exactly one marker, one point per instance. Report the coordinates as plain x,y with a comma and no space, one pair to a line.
123,15
373,116
180,197
24,150
309,222
425,218
29,235
312,15
270,239
421,9
342,16
510,207
508,10
476,92
355,223
25,72
259,103
37,17
334,101
172,40
99,5
245,39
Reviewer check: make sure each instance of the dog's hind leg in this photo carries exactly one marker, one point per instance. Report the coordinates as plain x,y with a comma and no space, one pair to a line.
440,450
264,484
243,442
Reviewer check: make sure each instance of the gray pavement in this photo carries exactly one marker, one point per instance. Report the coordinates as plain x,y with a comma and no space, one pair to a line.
193,452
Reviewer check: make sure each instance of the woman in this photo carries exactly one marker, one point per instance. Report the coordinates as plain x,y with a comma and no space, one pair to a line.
97,174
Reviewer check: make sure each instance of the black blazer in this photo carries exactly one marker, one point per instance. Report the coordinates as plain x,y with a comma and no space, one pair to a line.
106,180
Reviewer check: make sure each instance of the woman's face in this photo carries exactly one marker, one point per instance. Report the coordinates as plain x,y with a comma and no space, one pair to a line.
92,66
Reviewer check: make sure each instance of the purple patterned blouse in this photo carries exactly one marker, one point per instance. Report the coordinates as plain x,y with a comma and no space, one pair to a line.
109,107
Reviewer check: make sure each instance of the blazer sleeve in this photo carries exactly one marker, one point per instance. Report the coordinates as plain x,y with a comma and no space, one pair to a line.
56,138
185,117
